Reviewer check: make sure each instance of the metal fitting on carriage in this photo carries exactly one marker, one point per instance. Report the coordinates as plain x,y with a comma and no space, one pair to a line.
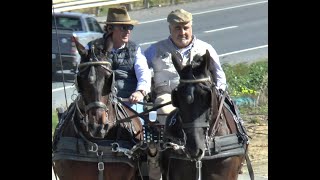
93,147
198,164
100,163
116,148
100,166
173,146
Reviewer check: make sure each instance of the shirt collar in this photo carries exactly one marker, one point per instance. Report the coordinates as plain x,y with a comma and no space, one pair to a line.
116,50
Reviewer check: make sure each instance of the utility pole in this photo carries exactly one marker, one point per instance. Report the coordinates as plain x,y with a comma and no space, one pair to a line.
146,4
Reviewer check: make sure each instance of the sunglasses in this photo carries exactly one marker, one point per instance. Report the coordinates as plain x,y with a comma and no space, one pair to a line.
125,27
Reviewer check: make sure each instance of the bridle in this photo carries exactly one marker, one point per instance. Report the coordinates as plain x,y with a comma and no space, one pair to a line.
92,77
191,81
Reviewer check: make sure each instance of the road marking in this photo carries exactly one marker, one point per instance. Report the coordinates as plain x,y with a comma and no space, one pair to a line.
60,89
215,10
156,20
147,43
214,30
232,7
244,50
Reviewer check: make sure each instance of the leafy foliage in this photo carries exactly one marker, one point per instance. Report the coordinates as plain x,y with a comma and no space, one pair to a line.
54,120
245,79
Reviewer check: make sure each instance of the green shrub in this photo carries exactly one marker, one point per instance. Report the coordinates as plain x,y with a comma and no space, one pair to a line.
54,120
245,79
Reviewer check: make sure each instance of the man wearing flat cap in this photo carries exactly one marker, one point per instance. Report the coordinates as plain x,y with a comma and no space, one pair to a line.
132,74
183,44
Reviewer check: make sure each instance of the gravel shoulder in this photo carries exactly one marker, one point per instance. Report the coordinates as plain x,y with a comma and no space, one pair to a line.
258,147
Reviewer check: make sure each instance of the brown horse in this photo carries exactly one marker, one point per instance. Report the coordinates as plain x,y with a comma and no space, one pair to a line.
204,139
91,142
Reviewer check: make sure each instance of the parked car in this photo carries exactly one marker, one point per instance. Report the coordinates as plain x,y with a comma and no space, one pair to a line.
84,27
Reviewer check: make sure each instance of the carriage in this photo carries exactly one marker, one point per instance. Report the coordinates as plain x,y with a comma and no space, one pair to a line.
100,137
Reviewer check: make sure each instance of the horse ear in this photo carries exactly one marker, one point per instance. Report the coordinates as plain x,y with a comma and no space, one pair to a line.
177,62
205,62
207,59
210,66
81,49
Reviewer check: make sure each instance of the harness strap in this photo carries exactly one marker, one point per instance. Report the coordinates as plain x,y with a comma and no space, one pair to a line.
222,154
100,165
75,149
222,146
214,127
249,166
231,123
198,167
239,122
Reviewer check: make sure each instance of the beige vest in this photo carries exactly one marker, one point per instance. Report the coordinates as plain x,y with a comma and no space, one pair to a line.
166,77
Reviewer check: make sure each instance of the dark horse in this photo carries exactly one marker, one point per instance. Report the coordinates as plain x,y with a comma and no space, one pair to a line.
206,140
91,141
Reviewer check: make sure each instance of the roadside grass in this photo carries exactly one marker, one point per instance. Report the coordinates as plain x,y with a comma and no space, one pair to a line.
54,120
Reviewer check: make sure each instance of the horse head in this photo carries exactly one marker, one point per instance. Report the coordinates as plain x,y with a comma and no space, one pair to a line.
94,82
195,99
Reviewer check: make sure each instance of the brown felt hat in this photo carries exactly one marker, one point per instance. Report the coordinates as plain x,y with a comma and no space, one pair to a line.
119,16
179,16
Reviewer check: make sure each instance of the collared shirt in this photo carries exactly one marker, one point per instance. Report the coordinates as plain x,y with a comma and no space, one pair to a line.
185,53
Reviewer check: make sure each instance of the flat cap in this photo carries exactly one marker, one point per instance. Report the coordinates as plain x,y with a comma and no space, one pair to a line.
179,16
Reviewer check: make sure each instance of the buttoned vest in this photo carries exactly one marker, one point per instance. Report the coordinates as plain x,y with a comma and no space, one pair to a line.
166,77
122,65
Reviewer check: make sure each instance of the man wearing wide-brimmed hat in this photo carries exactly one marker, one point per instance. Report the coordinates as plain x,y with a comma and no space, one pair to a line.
132,74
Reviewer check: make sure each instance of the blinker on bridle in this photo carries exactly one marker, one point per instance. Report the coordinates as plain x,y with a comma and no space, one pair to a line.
92,77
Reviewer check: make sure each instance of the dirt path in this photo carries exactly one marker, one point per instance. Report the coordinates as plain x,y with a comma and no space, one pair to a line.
258,147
